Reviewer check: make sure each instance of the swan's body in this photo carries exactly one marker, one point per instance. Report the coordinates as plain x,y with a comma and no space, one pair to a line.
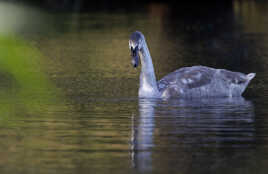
187,82
200,81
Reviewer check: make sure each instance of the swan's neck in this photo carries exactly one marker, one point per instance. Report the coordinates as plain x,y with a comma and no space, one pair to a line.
148,85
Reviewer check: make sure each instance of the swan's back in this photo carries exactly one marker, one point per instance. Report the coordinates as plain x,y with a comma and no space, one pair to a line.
201,81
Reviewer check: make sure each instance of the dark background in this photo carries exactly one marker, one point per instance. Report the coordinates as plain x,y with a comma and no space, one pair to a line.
189,7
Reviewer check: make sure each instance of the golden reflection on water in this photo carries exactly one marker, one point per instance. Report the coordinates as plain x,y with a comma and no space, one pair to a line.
252,15
68,94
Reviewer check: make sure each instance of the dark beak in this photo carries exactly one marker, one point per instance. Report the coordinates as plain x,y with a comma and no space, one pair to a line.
135,57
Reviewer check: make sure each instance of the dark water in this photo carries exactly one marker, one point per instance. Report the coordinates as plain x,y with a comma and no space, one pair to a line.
73,107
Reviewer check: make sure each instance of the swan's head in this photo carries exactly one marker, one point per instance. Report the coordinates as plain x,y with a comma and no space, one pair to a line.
136,42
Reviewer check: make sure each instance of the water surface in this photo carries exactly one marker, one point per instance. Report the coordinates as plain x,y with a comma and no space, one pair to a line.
72,106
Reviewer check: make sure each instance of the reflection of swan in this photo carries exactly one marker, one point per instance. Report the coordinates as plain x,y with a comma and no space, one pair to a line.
184,125
196,81
142,135
213,122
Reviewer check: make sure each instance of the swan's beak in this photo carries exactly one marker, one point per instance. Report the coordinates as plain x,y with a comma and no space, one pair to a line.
135,56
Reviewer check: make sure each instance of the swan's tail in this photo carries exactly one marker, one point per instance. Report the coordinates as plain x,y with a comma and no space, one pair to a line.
250,76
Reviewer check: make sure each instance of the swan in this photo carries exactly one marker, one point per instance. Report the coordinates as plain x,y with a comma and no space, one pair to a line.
187,82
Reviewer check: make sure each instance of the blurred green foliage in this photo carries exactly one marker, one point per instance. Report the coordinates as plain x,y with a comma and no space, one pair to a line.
23,84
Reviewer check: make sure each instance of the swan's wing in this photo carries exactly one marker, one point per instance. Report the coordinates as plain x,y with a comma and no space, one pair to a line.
230,77
203,81
187,78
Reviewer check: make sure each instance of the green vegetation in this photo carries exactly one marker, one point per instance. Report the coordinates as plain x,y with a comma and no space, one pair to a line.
23,85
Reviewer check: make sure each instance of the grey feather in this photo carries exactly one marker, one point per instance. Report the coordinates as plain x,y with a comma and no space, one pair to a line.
201,81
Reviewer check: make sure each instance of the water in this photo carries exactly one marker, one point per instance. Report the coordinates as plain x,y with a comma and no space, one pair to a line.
72,106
